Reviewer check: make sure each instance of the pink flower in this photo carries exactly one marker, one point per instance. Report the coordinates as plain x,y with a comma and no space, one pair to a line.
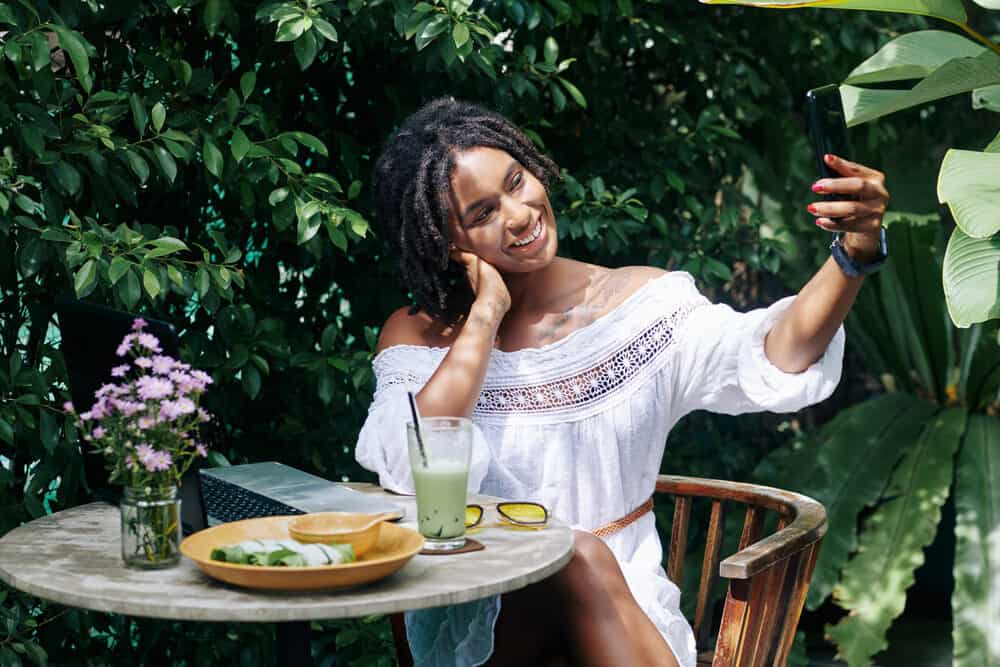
144,362
98,433
153,388
170,410
125,345
129,408
162,365
104,390
150,342
201,449
68,407
139,324
129,461
119,371
144,451
146,422
203,415
159,461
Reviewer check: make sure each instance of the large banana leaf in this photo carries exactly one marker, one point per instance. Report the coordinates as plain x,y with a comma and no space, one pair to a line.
913,56
969,182
910,287
949,10
982,379
874,583
845,466
958,75
975,601
972,278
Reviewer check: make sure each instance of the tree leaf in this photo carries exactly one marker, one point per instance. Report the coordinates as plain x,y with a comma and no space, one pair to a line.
213,157
310,141
971,277
845,466
550,50
159,115
151,283
166,162
574,92
969,182
41,54
247,83
987,98
975,601
460,35
137,164
67,178
945,9
277,196
958,75
306,47
326,29
85,277
432,28
240,144
128,289
913,55
289,31
119,266
165,245
250,379
891,548
139,117
73,44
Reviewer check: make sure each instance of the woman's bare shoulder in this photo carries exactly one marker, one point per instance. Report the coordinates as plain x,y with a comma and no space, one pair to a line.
613,286
419,328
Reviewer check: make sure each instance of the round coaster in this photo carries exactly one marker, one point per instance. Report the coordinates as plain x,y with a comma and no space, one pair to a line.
470,545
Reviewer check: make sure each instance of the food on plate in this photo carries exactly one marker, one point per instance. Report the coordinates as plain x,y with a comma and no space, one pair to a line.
284,553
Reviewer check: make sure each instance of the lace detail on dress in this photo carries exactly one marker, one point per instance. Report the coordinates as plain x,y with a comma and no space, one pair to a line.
588,386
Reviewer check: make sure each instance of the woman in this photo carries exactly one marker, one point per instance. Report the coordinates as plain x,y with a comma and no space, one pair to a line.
573,375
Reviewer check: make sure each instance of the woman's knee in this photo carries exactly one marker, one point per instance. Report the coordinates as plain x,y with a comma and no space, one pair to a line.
592,568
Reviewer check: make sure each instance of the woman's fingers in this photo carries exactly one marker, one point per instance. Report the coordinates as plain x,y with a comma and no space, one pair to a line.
848,209
852,186
859,225
848,168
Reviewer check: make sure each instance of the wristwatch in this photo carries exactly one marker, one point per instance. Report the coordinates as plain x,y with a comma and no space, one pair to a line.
852,268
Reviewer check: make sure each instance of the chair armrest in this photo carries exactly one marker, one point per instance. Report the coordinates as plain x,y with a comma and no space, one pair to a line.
807,525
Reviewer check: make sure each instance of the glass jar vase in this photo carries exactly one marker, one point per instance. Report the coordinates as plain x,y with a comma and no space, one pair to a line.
151,527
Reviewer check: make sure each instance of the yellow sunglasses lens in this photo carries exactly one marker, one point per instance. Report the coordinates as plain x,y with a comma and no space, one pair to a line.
527,513
472,515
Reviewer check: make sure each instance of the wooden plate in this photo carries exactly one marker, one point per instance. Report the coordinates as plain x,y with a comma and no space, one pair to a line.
395,547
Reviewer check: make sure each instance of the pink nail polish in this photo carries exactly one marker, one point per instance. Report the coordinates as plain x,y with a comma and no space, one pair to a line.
817,188
811,208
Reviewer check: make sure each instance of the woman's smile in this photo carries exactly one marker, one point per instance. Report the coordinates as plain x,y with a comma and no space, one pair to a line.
532,240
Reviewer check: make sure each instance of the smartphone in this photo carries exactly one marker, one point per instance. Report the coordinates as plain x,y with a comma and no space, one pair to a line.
827,129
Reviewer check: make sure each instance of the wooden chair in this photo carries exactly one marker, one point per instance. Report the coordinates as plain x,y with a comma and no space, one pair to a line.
768,576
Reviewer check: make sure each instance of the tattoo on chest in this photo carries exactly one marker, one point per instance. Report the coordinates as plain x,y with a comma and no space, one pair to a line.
607,294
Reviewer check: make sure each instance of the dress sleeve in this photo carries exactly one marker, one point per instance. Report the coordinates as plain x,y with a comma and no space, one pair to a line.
382,444
720,363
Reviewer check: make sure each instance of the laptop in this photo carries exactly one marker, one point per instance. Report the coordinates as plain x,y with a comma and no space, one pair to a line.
90,336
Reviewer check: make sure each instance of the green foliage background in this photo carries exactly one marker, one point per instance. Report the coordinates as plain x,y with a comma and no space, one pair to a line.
208,163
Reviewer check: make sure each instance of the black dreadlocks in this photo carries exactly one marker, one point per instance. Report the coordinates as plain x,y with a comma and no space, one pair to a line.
412,194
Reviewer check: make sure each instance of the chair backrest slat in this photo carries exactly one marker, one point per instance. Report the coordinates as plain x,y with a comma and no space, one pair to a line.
797,598
765,603
678,538
709,574
753,524
734,616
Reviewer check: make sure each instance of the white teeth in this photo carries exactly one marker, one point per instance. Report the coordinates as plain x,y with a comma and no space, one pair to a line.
534,235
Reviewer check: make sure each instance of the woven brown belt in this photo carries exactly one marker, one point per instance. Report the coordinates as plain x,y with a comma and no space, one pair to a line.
619,524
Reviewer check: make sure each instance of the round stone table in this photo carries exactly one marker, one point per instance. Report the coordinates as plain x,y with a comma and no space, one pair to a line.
73,558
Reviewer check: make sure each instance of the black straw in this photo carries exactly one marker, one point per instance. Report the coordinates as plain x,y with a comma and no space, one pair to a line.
416,427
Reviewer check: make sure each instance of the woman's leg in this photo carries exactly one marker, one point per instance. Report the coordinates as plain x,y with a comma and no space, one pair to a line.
605,623
583,615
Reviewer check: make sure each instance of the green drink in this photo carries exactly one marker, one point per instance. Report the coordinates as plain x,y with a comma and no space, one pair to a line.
441,499
439,460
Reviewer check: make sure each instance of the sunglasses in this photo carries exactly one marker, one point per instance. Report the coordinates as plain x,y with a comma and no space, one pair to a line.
527,514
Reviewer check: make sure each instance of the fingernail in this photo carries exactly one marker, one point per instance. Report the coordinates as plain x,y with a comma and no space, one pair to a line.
828,157
818,223
818,187
811,208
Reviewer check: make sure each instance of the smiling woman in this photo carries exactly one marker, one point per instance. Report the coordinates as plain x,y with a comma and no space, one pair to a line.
573,375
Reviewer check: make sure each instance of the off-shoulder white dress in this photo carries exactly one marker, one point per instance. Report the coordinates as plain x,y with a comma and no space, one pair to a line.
580,425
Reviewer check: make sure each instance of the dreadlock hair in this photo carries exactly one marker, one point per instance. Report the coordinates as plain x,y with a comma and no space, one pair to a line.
412,194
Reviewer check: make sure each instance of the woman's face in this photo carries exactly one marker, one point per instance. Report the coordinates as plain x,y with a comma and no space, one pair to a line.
501,212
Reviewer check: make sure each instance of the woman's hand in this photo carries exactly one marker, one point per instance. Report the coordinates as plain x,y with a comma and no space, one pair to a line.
860,216
487,283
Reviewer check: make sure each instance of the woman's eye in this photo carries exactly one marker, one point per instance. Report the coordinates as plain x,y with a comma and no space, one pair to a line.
483,214
516,181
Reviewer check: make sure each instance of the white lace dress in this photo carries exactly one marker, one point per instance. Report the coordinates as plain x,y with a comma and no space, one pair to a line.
580,425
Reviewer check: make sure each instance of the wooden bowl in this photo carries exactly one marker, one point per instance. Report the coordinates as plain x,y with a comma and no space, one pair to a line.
361,531
395,547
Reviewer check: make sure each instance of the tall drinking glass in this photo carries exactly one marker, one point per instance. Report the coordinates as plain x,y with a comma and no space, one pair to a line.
440,475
